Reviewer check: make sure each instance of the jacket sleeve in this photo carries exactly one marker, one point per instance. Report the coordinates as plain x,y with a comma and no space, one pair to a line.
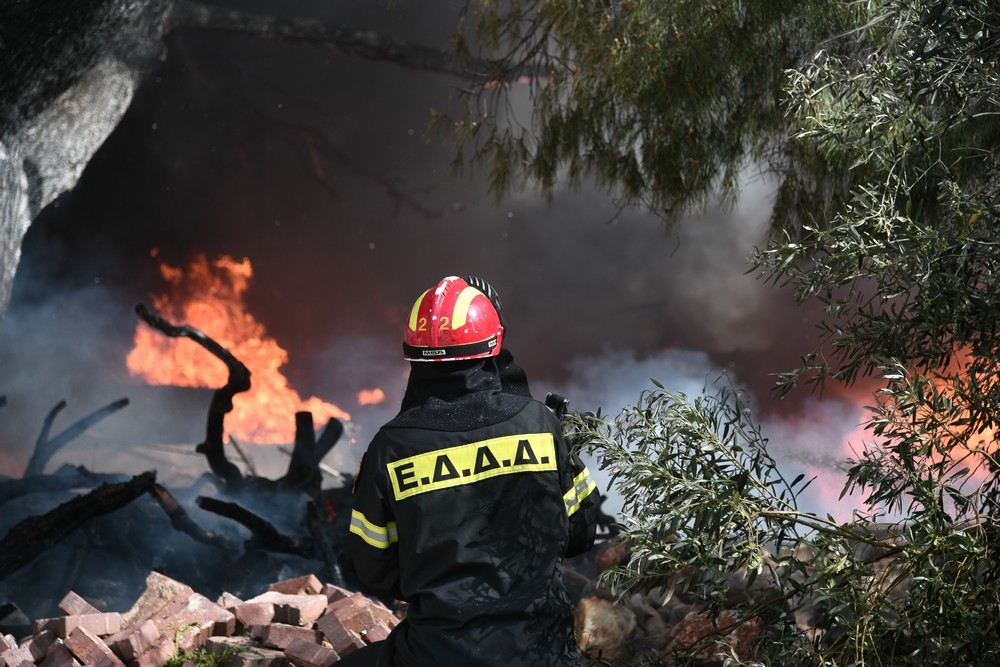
373,538
582,502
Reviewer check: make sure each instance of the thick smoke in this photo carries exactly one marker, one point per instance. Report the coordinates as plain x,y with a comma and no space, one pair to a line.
814,441
313,165
69,348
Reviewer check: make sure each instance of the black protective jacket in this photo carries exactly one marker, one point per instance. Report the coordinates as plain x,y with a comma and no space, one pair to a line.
464,506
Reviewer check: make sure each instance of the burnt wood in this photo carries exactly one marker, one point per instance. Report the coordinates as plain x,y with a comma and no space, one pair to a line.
46,448
222,399
303,469
315,522
65,478
182,521
265,535
36,534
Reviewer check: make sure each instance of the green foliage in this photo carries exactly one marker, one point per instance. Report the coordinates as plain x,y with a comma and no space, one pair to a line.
705,505
702,460
203,658
662,102
881,119
908,266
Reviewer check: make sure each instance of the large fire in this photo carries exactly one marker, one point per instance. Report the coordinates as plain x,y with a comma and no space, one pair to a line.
209,295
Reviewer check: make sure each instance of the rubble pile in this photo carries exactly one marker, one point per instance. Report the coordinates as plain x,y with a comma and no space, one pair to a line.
299,621
645,628
303,622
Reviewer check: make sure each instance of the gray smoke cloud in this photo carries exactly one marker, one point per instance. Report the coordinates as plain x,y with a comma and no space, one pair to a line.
315,167
814,441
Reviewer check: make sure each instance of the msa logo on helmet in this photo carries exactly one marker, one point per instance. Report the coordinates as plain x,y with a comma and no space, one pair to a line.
492,343
433,353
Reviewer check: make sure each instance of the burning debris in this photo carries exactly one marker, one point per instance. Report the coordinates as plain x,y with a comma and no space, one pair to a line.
248,500
211,295
200,536
32,536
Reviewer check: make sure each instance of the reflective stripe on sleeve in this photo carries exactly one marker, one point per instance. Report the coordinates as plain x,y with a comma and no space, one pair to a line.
380,537
583,485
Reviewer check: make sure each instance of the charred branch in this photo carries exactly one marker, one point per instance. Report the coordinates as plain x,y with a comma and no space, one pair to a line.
265,535
303,470
300,474
222,399
344,39
347,40
244,455
36,534
331,434
314,522
45,448
182,521
67,477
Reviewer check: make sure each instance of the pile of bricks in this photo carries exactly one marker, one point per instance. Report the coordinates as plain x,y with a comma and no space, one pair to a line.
300,622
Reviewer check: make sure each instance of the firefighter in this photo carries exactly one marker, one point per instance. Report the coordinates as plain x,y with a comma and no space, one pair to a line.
468,500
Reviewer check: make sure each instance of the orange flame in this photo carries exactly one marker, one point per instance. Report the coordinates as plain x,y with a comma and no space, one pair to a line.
210,296
371,396
976,445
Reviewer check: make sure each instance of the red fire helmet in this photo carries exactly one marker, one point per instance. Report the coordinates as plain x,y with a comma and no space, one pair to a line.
452,321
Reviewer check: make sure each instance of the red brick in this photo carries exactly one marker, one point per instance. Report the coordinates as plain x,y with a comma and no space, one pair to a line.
146,643
340,638
157,656
335,592
159,591
99,624
360,614
90,649
183,639
59,656
259,657
16,657
304,653
305,585
294,609
73,604
203,611
216,645
376,633
383,613
358,620
186,629
252,656
696,625
128,644
228,601
253,613
280,635
38,645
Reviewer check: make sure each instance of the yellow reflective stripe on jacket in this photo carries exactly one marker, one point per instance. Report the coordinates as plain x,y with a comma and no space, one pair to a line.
379,537
467,464
583,485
